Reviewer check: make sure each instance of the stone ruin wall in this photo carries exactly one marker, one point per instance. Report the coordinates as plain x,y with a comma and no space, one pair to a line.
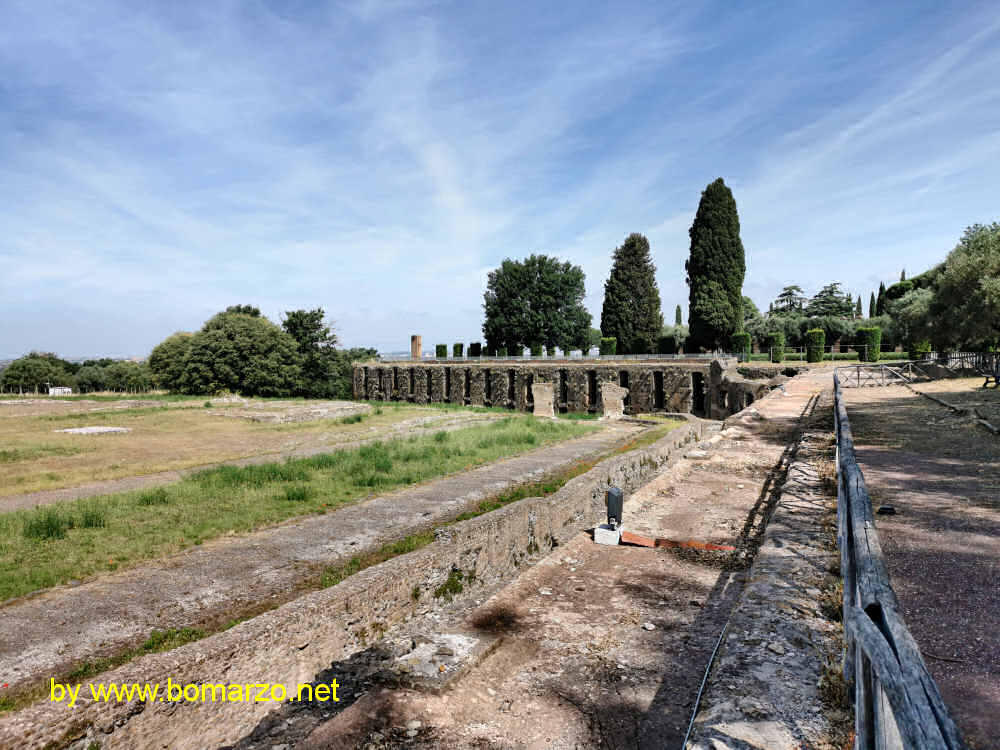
652,386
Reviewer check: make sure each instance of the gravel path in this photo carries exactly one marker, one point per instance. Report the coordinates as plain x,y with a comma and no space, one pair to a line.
408,427
209,585
942,474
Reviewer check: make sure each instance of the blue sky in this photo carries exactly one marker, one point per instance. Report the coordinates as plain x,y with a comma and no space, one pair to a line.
160,161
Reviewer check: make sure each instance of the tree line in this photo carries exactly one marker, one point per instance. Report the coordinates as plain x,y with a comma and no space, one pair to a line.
238,350
538,302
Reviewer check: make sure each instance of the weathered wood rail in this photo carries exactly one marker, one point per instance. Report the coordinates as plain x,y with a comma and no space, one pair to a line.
897,703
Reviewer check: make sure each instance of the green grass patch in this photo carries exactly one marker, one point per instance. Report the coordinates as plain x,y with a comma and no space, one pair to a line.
335,574
352,419
39,450
47,546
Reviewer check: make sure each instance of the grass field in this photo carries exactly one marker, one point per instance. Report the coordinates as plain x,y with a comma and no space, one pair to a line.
176,435
74,540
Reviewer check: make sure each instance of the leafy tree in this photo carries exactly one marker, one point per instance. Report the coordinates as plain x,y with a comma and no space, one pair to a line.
790,301
715,269
871,306
251,310
631,311
594,338
243,353
35,371
965,306
90,378
880,300
753,321
678,319
342,380
166,361
316,345
830,301
535,301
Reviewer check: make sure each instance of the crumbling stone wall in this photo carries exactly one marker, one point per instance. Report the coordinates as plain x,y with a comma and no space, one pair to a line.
653,386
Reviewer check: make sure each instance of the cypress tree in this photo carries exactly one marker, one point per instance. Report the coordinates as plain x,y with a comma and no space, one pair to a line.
678,319
880,300
631,311
715,270
858,310
871,306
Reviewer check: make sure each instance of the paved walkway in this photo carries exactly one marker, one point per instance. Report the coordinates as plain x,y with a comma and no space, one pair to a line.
125,484
206,586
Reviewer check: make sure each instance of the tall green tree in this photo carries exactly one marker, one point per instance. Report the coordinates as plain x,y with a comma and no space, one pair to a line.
830,301
791,300
166,361
243,353
316,343
715,270
36,371
631,311
858,310
965,307
871,306
880,300
678,316
535,302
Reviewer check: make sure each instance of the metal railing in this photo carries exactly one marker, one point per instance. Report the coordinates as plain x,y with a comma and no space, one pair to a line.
896,701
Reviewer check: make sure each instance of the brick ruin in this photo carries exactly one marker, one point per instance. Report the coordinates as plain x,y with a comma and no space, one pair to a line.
713,389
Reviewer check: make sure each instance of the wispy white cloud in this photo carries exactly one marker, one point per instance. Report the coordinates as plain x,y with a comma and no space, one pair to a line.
379,157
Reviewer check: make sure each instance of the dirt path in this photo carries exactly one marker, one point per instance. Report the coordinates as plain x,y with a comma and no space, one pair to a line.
228,578
942,474
594,646
415,426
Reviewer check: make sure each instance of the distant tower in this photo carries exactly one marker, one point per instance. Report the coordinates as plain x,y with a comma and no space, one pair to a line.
415,349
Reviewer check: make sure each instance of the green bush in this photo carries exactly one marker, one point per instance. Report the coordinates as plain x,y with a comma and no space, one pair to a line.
441,351
893,356
776,343
536,350
502,351
919,349
666,345
815,343
609,345
639,345
550,351
457,350
741,344
475,349
870,337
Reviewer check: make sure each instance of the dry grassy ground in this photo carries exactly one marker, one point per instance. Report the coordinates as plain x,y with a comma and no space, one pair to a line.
164,436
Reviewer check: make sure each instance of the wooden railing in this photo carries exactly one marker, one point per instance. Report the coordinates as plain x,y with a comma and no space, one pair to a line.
896,701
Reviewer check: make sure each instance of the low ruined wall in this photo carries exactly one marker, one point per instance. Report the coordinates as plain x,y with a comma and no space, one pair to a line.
654,386
294,642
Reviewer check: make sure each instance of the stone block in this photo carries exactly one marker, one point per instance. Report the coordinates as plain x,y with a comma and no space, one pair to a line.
605,534
613,398
542,394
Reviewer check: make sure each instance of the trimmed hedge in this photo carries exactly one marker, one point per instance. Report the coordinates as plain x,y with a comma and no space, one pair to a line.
550,351
475,349
639,345
741,343
776,343
609,345
502,351
871,337
666,345
815,343
536,350
441,351
457,350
